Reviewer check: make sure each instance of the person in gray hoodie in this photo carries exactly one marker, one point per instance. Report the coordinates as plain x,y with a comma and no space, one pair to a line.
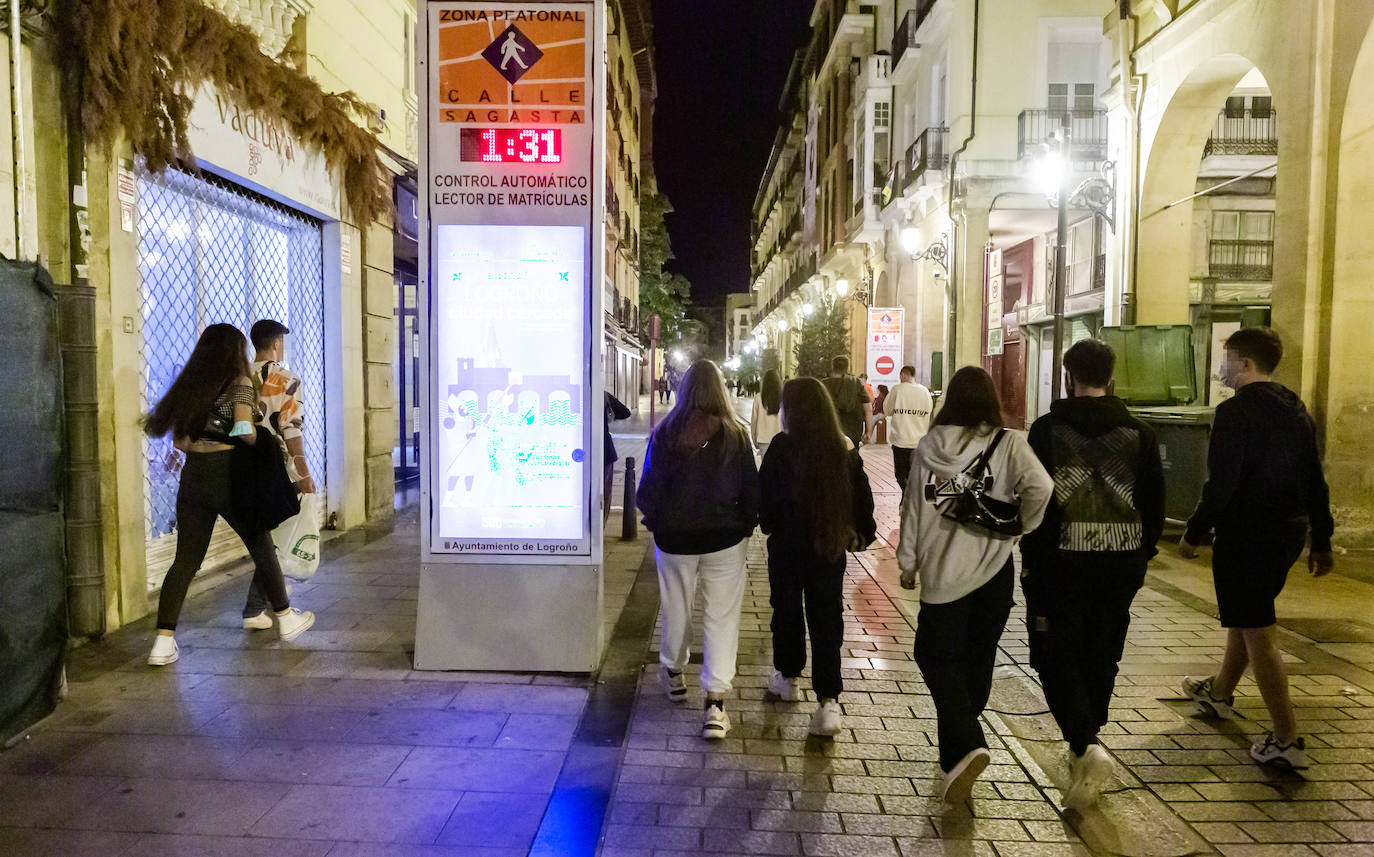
966,572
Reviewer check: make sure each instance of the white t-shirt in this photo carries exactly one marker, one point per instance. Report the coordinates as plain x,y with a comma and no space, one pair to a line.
764,426
907,409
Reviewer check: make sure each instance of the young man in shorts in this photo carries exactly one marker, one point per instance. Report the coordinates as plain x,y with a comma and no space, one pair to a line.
1265,491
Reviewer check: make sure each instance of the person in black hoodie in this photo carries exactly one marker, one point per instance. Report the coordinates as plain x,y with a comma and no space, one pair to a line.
1265,491
700,498
1084,564
817,504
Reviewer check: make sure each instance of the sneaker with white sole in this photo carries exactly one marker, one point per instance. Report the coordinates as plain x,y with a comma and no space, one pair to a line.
1269,751
674,684
782,687
826,721
715,725
957,785
1199,690
1090,773
164,651
260,622
293,623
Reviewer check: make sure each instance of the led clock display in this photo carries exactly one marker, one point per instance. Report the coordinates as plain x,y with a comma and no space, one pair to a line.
511,145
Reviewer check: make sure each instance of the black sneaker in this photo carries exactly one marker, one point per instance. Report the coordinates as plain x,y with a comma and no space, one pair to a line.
715,725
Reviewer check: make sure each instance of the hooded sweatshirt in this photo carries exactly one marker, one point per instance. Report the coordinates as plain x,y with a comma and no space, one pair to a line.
954,559
1263,469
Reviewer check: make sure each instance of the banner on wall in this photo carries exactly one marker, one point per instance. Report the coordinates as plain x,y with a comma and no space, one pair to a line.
884,345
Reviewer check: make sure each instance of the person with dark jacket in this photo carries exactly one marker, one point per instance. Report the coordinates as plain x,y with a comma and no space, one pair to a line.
1265,491
700,498
851,398
817,504
1081,568
615,410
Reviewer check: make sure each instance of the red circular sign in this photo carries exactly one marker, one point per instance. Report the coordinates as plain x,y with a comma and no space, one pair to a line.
885,365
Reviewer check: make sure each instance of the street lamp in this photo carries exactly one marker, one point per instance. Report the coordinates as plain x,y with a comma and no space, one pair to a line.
841,287
782,325
808,309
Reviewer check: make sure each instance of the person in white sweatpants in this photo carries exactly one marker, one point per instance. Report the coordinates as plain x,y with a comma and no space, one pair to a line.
700,498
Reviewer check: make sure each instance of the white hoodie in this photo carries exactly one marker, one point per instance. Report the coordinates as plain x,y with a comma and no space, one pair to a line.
954,559
907,409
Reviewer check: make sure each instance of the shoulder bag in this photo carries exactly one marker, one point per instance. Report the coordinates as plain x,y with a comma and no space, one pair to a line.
973,508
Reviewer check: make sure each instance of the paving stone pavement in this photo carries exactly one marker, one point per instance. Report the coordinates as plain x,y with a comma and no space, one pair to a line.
1185,785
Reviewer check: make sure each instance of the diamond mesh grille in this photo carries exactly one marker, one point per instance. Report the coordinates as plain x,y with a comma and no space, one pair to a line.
209,252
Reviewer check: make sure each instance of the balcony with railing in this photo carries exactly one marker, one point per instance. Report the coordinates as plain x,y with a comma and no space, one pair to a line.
1243,260
1036,128
1246,132
929,152
904,39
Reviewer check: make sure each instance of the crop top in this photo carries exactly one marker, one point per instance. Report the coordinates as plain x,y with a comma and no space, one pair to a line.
221,425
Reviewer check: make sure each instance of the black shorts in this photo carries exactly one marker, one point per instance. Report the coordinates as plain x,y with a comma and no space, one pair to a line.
1249,571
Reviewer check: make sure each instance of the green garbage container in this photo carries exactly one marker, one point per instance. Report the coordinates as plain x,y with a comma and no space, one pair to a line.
1184,432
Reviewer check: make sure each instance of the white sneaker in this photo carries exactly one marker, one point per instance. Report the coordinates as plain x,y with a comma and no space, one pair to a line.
957,786
674,684
826,721
260,622
164,651
715,724
782,687
1090,773
1200,691
1269,751
293,623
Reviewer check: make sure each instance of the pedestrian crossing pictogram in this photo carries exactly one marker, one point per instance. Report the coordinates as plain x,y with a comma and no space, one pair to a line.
512,54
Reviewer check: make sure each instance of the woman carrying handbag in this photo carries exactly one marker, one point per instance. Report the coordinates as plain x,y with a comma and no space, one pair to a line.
975,487
209,409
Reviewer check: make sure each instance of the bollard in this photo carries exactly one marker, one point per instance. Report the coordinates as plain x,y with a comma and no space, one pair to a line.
629,518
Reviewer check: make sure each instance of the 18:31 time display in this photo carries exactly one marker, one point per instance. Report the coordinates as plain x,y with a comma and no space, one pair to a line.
511,145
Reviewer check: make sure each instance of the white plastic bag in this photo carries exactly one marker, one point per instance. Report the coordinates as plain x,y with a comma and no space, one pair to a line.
298,540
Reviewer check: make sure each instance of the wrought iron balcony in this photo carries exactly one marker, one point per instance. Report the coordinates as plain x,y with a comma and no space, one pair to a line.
1242,260
905,37
1088,132
1250,132
929,152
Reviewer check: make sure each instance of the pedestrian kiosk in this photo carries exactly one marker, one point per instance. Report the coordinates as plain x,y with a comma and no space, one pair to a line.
512,200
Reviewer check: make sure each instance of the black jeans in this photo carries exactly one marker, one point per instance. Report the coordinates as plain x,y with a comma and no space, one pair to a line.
202,497
1078,610
956,649
808,594
901,465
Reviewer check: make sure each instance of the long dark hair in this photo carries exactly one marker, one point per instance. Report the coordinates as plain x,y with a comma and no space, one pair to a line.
219,359
820,489
970,400
701,392
770,394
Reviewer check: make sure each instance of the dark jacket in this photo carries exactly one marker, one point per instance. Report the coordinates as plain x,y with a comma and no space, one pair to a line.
789,533
1108,483
700,499
1263,468
849,396
615,410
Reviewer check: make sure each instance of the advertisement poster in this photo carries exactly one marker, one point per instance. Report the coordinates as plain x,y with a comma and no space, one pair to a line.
884,346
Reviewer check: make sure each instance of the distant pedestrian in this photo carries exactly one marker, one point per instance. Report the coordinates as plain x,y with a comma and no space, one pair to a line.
1265,491
700,498
281,409
766,420
1082,567
877,432
852,402
975,487
209,409
907,411
663,389
615,410
817,505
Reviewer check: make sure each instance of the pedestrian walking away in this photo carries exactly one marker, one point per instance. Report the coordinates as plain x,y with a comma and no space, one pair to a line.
615,410
281,410
975,487
852,402
209,410
1265,491
907,412
1081,568
765,422
700,498
817,504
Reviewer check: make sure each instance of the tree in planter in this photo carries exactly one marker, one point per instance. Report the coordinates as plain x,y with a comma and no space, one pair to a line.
824,335
661,293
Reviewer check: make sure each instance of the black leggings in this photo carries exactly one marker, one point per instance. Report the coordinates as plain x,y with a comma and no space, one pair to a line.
807,594
203,497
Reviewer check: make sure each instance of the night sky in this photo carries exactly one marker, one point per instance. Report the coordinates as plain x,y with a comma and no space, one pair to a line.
721,68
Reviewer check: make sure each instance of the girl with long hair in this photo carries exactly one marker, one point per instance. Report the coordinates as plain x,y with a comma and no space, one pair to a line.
700,498
965,567
817,504
765,422
209,408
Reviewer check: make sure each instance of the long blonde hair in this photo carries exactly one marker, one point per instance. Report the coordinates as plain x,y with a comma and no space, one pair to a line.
701,392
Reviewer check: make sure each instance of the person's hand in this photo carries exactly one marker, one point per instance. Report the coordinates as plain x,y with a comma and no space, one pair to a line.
1320,563
909,579
306,485
1187,549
